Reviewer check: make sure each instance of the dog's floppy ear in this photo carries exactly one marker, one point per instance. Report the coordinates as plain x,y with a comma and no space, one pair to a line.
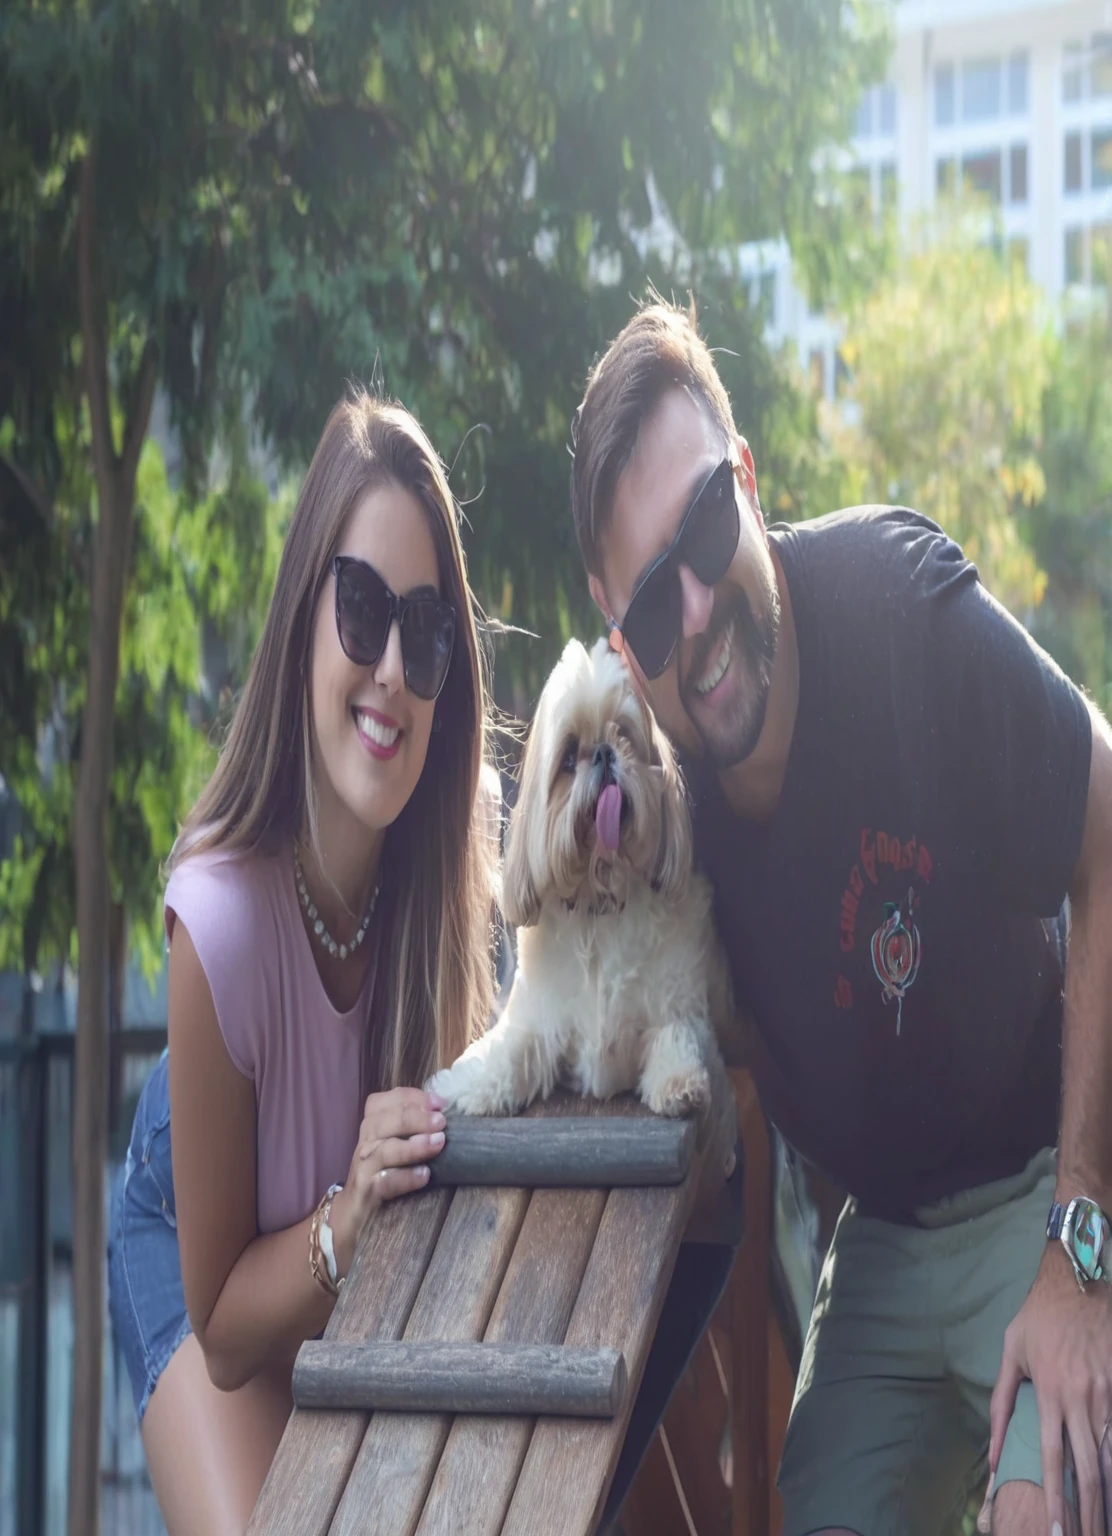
521,903
673,859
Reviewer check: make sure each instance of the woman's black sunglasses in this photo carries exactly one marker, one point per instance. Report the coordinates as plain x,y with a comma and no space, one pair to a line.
706,542
365,610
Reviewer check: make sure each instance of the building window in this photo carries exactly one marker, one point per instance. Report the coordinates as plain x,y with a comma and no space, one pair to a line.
1017,83
1102,158
1072,168
1100,71
1087,68
1072,86
980,90
1017,174
1075,255
876,115
981,174
944,95
945,176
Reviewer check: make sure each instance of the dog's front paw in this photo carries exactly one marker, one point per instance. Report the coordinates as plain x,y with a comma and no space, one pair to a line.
682,1093
444,1084
469,1088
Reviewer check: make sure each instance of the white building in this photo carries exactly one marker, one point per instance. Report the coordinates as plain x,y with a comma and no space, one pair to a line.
1009,98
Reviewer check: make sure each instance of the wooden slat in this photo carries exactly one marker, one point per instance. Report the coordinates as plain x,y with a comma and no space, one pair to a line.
482,1459
694,1422
426,1376
569,1464
317,1450
781,1391
749,1335
608,1151
653,1506
386,1488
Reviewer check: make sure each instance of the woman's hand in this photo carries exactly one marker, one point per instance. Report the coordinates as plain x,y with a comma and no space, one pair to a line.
401,1131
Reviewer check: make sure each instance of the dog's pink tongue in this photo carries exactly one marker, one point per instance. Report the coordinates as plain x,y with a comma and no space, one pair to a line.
608,817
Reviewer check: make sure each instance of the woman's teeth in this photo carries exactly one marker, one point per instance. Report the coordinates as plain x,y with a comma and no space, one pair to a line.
717,672
374,730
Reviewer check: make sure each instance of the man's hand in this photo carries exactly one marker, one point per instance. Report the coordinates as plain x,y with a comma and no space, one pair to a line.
1061,1340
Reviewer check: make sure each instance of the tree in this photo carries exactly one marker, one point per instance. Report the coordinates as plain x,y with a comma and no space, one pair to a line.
949,359
145,267
1071,528
244,210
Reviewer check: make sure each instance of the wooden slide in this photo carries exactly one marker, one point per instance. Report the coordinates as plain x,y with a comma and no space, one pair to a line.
419,1433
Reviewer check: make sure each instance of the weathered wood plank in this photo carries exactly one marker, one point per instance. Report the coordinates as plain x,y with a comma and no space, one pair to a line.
317,1450
481,1461
386,1487
695,1425
749,1335
455,1377
609,1151
567,1469
654,1506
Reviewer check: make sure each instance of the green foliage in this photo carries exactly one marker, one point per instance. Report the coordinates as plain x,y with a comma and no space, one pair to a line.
950,358
456,198
1071,529
966,404
199,570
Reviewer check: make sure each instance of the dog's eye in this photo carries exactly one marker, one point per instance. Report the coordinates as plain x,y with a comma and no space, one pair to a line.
570,758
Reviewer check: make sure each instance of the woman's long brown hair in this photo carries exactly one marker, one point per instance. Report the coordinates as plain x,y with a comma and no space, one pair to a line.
433,988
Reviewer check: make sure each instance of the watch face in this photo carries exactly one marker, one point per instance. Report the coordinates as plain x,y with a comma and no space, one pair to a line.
1088,1234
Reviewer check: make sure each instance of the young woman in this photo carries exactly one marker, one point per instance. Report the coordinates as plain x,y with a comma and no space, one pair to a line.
328,913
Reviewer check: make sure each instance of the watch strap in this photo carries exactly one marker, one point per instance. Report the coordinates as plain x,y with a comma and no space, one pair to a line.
1059,1227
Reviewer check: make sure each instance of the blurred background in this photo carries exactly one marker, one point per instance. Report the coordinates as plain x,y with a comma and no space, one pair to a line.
896,219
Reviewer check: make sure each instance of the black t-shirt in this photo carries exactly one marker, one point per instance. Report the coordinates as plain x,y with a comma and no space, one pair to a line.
896,929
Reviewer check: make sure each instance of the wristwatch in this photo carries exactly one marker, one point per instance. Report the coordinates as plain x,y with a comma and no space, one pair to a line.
1086,1234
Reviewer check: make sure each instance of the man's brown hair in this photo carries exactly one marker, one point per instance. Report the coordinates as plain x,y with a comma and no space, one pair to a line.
658,350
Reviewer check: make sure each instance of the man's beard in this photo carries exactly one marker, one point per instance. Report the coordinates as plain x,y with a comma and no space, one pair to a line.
735,730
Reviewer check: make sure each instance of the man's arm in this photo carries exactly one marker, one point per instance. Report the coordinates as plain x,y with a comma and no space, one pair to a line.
1085,1141
1061,1340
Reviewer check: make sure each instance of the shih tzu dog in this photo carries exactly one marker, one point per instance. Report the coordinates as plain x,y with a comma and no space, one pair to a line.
620,982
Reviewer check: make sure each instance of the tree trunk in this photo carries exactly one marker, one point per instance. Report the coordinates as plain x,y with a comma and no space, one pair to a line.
115,481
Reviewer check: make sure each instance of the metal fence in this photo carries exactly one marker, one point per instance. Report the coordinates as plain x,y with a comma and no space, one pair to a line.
36,1298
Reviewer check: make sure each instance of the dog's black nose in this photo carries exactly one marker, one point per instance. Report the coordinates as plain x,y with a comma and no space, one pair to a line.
604,758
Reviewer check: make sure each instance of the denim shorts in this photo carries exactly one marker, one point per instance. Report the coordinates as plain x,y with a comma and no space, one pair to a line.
145,1295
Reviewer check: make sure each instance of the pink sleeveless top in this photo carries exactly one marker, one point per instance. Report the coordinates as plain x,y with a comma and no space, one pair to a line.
280,1029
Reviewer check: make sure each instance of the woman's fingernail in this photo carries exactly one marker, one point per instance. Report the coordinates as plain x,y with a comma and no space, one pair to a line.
1056,1529
423,1173
436,1139
438,1122
435,1101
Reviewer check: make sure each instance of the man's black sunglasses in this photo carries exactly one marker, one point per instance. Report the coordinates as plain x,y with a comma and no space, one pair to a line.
365,610
706,542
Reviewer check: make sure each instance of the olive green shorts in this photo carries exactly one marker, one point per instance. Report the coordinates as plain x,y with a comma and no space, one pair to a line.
889,1429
